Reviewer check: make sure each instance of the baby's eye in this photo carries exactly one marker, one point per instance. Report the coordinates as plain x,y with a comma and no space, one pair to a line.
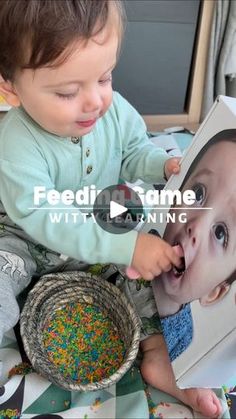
66,95
221,234
107,79
200,193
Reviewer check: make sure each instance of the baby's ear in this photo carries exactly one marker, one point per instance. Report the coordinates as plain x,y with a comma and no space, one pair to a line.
8,93
215,295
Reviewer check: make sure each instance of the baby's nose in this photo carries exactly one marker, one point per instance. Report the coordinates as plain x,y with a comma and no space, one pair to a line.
192,236
92,102
192,232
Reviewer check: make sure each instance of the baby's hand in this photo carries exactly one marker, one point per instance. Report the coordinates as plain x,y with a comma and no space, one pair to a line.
152,256
172,167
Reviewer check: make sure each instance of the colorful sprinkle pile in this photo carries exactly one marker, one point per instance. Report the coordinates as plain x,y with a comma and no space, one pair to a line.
10,414
83,343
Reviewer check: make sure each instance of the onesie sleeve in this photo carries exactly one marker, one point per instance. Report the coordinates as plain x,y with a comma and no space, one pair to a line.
141,158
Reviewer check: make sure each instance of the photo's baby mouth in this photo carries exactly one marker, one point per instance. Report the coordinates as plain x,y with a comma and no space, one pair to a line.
180,270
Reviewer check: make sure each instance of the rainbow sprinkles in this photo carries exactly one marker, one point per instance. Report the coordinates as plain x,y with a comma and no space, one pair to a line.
83,343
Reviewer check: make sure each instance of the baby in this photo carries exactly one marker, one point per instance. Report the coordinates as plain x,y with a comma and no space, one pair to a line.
67,129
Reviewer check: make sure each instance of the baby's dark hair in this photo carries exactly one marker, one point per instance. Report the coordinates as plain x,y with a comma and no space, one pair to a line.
34,33
225,135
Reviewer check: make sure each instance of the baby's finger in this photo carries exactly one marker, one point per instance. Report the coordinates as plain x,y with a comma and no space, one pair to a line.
176,169
157,271
173,257
165,265
148,275
132,273
164,262
178,250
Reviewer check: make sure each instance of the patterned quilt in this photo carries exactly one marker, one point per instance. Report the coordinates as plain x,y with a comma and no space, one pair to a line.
30,396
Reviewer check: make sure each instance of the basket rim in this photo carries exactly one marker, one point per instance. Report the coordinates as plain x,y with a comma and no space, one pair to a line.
48,284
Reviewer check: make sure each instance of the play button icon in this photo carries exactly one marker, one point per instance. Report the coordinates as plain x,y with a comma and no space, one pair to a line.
118,209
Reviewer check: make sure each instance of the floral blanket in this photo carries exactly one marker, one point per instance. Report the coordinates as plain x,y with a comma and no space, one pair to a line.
30,396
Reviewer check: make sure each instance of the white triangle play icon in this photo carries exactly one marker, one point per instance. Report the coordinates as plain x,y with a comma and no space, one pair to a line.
116,209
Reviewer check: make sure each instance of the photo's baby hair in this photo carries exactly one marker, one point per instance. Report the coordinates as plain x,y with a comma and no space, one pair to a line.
225,135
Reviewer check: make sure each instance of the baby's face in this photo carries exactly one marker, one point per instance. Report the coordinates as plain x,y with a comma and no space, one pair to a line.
69,99
208,239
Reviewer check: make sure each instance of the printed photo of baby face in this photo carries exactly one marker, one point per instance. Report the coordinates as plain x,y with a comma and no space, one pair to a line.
208,238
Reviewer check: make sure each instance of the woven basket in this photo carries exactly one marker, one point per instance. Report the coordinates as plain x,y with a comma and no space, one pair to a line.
52,292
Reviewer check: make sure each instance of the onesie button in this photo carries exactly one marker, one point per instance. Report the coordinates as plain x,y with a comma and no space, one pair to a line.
87,152
89,169
75,140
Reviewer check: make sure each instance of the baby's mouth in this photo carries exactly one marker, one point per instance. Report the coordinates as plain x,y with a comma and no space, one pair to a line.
179,271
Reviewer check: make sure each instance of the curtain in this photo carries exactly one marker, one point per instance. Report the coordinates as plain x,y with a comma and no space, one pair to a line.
221,65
